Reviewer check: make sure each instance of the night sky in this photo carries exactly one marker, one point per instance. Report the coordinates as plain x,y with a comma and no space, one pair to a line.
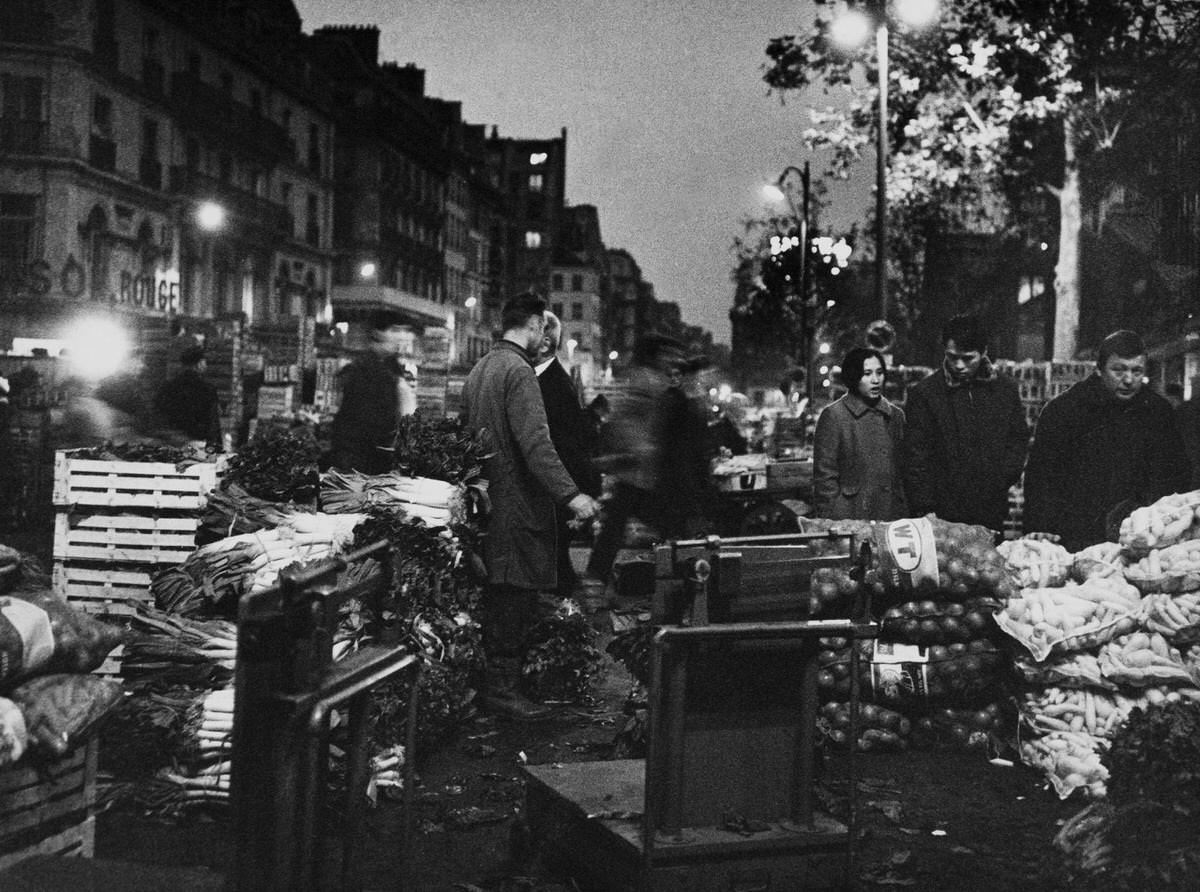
670,131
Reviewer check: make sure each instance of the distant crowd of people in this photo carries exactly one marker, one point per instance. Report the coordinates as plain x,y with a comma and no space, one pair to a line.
1102,448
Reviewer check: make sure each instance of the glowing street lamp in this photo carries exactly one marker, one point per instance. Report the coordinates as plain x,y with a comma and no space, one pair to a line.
850,30
367,270
210,216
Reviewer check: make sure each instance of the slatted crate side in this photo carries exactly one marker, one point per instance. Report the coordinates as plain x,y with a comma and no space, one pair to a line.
123,538
124,484
49,809
100,589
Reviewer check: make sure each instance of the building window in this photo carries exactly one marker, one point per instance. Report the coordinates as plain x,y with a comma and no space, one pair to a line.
556,282
149,138
21,98
194,65
16,231
191,153
102,117
149,167
312,232
227,83
533,239
537,158
536,182
576,282
557,309
314,148
225,168
577,311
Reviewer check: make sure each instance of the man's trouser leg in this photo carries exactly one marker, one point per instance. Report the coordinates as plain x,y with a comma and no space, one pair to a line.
611,538
508,614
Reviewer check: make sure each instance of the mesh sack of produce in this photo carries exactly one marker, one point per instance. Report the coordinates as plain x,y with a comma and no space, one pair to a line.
879,728
978,728
924,556
908,675
1036,563
1147,658
41,633
1073,670
1071,760
932,622
61,709
1172,519
14,737
1175,617
1175,568
1076,616
1103,559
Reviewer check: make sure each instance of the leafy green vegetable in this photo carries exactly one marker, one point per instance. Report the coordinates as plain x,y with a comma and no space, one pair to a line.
279,464
561,658
439,447
1156,756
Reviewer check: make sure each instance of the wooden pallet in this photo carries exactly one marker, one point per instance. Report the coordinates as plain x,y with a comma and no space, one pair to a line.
129,484
123,538
101,589
49,810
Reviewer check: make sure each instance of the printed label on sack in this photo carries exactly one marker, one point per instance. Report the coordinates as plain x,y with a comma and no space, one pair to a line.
899,671
26,637
908,553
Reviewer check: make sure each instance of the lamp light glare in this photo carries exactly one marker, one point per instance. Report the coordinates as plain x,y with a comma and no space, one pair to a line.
917,13
367,270
850,29
824,348
210,216
97,348
771,192
470,302
614,355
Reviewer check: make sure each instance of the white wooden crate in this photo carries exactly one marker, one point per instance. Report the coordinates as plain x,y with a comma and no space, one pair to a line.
131,484
89,535
49,810
100,589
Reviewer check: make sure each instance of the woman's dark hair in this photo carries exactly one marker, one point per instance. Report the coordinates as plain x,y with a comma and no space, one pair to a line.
853,363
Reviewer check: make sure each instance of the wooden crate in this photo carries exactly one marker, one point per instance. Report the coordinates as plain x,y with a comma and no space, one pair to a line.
123,538
130,484
101,589
49,810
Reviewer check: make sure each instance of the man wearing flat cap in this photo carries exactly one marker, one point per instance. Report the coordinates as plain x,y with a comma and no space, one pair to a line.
1106,446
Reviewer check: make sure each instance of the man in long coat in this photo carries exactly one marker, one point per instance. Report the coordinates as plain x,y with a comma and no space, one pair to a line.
573,437
364,429
965,439
1106,446
526,480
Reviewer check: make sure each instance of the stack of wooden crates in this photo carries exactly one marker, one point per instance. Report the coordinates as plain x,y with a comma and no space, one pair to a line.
119,522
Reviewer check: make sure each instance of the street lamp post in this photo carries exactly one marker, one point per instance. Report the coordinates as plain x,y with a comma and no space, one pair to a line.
851,29
794,185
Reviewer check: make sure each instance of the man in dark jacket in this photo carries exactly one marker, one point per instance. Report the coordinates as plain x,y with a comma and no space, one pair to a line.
966,436
188,404
364,429
526,480
572,435
1106,446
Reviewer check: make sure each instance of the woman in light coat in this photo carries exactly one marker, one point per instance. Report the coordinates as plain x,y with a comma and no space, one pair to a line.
856,448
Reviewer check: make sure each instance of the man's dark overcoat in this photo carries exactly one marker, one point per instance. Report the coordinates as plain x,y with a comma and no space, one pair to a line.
525,477
1091,452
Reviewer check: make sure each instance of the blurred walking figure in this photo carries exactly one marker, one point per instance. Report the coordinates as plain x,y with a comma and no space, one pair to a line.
635,443
856,473
188,404
573,436
364,429
406,389
526,480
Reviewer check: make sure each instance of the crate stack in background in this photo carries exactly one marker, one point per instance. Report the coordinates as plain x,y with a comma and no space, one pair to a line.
117,523
49,809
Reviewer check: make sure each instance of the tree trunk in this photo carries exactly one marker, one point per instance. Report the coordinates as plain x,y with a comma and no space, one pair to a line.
1066,272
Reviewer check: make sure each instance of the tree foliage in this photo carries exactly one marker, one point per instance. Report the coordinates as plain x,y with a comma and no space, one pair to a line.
1000,102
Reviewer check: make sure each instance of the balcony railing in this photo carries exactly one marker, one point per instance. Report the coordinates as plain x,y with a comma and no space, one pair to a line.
150,172
102,153
213,111
23,137
245,206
